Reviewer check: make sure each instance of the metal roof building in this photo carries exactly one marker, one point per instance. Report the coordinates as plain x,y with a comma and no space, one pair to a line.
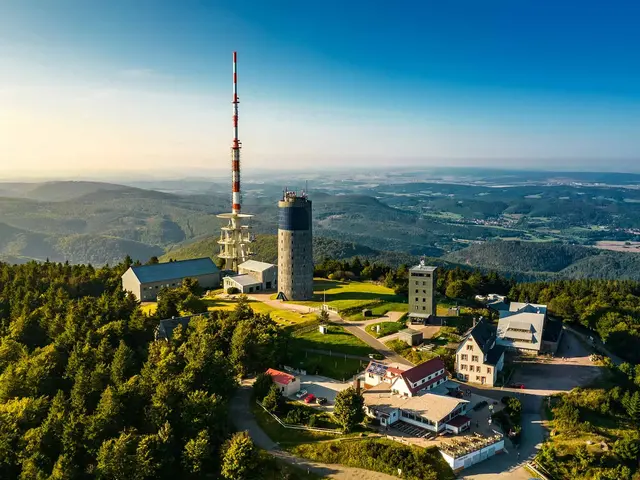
145,281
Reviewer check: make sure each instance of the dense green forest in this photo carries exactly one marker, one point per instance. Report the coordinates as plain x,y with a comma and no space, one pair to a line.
85,391
265,249
100,222
611,308
541,261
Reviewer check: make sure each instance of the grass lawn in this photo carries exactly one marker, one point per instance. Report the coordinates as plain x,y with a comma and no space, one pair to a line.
345,295
282,317
335,366
380,310
336,340
379,455
286,436
420,356
386,328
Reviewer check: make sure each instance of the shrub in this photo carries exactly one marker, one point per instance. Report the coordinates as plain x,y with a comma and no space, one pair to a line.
273,399
313,419
262,385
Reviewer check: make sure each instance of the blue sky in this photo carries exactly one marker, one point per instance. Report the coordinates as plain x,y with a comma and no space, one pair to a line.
127,85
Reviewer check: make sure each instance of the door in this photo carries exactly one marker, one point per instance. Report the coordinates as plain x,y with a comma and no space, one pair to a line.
268,285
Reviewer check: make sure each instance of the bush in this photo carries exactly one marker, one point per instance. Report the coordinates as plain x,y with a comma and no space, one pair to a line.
262,385
313,419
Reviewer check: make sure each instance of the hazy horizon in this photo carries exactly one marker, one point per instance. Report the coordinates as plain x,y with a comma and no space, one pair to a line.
117,88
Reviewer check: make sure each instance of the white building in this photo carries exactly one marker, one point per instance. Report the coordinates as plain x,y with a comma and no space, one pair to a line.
265,273
421,378
521,327
430,411
377,372
287,383
253,276
478,357
462,452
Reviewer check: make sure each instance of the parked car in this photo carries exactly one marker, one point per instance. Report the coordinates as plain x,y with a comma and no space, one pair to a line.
310,398
301,394
516,385
321,401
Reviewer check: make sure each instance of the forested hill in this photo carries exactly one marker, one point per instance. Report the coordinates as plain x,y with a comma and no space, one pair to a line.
85,392
611,308
550,260
265,249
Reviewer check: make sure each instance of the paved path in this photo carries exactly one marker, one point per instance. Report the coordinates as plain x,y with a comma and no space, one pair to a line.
351,327
241,416
508,465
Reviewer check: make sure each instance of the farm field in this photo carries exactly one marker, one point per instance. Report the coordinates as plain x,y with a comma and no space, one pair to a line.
619,246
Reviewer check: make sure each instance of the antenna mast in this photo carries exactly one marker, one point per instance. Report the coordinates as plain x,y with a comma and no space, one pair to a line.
235,147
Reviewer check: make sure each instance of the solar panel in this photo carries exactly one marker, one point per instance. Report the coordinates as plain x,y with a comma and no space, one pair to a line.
377,368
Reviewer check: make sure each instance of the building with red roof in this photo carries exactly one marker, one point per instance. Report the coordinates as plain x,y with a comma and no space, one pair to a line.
421,378
288,384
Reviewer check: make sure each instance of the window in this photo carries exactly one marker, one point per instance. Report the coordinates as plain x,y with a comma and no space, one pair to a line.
416,299
474,358
424,299
477,378
463,367
469,347
464,356
416,290
424,291
424,308
488,370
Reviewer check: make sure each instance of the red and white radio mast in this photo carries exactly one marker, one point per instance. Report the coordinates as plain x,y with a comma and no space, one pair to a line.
235,237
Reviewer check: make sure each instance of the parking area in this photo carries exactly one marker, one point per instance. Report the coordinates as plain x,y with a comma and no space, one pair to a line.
322,387
569,368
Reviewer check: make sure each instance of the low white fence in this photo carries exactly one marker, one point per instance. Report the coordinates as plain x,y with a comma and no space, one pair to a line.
300,427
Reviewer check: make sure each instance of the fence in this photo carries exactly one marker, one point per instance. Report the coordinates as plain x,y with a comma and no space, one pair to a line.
537,469
299,427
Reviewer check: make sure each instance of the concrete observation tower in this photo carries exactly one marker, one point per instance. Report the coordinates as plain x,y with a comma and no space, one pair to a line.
235,237
295,250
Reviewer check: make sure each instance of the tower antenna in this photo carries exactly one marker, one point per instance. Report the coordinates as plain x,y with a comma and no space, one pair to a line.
235,237
236,145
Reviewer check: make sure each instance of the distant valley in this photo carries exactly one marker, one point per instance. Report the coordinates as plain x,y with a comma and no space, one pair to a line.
533,227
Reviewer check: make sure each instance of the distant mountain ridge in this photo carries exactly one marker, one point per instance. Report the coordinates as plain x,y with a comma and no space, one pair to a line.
549,260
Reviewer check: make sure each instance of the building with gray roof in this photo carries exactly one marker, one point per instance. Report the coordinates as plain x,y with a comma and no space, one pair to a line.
479,358
522,327
145,281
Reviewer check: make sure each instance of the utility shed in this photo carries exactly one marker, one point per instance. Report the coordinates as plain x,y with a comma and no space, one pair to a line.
145,281
412,337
